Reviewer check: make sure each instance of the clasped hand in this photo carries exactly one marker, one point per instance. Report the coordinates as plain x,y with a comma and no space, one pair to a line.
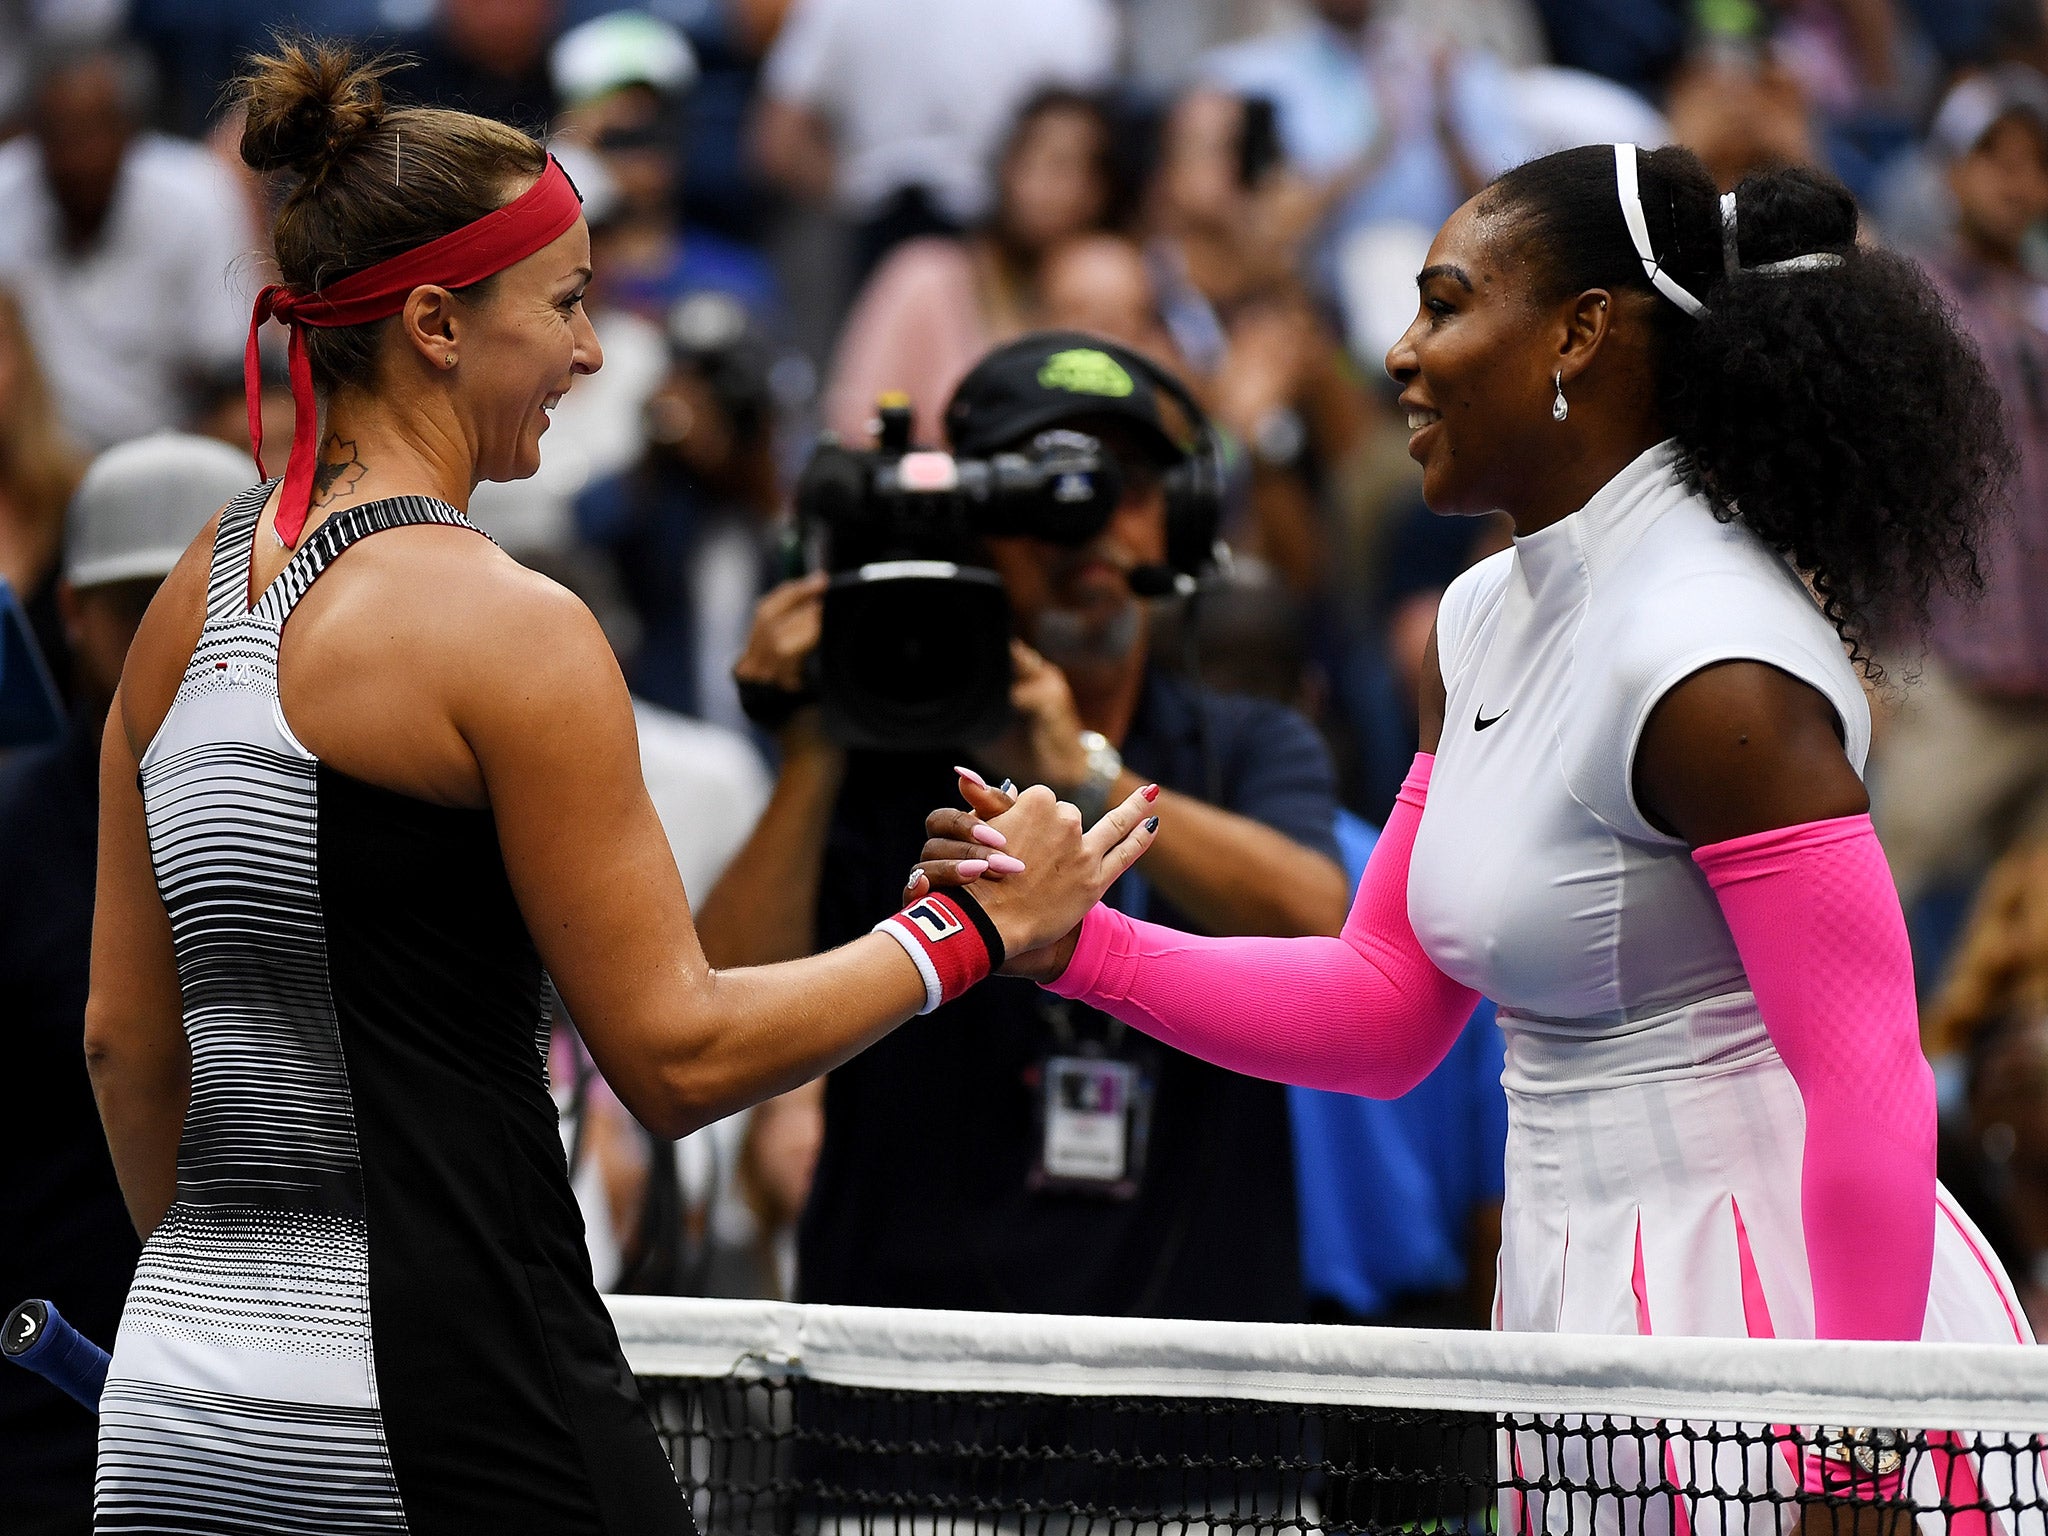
1034,870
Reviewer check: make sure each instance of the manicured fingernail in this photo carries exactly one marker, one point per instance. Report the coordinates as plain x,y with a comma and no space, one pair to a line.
970,868
1151,823
970,776
1009,786
988,836
1003,864
1150,791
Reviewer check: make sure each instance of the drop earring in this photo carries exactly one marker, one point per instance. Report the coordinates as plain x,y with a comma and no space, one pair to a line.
1558,409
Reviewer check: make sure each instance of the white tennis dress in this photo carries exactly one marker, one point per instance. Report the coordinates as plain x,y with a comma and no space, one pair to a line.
1654,1149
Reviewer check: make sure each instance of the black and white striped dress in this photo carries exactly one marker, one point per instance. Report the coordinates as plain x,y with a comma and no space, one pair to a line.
369,1308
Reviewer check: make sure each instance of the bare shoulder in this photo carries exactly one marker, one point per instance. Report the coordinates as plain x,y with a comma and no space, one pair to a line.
426,643
509,643
450,599
164,641
1742,747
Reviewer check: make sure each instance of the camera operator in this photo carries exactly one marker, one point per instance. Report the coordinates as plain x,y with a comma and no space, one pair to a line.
1012,1151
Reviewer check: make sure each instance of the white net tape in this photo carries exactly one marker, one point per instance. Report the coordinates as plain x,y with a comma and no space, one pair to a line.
1951,1387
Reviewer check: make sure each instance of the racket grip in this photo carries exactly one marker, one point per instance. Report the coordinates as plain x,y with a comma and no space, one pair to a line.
36,1335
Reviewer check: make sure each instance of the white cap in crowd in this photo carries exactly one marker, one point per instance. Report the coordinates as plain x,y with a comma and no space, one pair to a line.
621,49
1978,103
143,502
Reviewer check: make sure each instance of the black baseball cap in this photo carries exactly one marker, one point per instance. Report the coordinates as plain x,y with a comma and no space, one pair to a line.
1051,378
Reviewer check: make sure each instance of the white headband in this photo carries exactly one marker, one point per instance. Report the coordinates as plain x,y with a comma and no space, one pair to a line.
1639,231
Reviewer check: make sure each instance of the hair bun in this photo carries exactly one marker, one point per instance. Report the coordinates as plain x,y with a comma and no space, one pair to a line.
1792,211
307,104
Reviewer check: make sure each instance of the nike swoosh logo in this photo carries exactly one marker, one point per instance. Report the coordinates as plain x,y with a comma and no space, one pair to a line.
1480,722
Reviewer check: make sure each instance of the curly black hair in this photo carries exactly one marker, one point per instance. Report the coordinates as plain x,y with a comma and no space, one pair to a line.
1836,411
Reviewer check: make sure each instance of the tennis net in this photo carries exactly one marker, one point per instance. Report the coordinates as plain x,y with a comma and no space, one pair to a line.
841,1420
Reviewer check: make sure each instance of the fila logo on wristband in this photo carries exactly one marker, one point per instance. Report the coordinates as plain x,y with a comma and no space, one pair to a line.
951,941
934,921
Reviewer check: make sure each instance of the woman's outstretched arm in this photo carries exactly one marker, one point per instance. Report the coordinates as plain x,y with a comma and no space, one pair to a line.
1366,1012
547,716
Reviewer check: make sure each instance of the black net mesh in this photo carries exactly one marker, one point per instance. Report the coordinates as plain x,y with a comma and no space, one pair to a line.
786,1454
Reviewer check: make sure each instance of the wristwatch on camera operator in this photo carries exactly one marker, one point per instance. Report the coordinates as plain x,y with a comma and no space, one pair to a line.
1105,766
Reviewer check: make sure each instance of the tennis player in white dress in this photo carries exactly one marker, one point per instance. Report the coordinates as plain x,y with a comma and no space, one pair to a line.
1731,441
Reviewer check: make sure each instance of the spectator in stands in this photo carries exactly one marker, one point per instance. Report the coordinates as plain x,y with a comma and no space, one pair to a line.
489,57
1991,1018
622,79
38,468
1635,42
1964,769
936,304
938,1183
124,248
69,1237
1100,283
895,107
687,525
1740,110
1406,125
1227,222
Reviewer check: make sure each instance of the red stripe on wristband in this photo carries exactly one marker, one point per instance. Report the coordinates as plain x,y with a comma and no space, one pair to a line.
940,930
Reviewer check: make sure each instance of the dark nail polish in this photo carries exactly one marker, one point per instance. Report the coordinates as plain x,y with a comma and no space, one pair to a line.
1151,823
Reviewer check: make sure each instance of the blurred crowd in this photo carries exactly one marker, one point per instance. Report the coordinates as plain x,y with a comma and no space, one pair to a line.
798,205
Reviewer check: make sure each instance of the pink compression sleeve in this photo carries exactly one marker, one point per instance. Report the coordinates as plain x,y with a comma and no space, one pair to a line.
1364,1013
1816,920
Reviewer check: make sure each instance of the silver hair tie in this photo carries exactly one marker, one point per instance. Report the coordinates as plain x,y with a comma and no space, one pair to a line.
1629,190
1816,262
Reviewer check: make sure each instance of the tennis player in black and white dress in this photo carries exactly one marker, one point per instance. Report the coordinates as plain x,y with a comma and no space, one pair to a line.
364,780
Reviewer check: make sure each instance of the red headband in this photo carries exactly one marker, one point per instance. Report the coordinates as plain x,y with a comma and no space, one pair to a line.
535,218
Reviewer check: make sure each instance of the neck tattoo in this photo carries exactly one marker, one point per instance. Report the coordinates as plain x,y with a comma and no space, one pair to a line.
339,469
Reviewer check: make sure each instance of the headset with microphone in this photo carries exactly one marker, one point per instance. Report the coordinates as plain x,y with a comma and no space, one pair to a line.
1196,488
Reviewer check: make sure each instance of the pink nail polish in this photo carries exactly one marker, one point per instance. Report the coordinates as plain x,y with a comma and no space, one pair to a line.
970,776
970,868
1003,864
989,837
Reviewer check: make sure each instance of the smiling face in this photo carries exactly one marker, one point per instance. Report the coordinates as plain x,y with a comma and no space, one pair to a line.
1476,368
520,345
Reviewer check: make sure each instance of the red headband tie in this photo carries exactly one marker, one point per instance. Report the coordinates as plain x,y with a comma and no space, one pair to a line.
535,218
